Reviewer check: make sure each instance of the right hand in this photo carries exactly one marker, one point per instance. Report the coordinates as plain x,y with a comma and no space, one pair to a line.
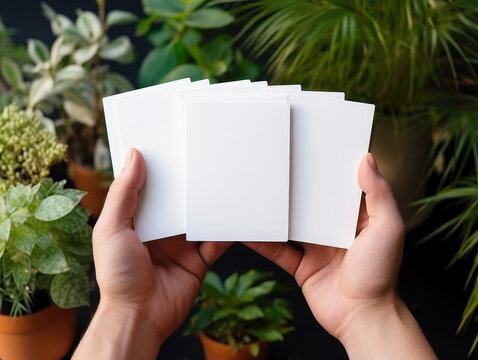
342,285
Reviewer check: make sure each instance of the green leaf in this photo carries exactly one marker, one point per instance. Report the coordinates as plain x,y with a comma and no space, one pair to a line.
20,216
69,290
3,209
254,349
156,65
85,54
89,25
49,260
268,335
191,37
120,50
44,188
73,221
74,194
209,18
145,24
71,72
159,37
79,112
250,312
23,238
79,243
60,49
39,90
120,17
231,282
204,317
167,8
186,70
54,207
263,289
5,227
20,195
12,74
247,279
118,82
18,265
212,280
38,51
3,244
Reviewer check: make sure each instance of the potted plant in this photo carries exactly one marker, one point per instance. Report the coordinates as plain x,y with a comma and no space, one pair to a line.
238,318
69,81
45,243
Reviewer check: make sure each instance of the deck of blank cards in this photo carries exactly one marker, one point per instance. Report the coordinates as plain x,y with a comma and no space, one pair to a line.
243,161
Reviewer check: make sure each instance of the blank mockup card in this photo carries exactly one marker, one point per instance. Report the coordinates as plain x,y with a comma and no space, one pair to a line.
243,161
237,169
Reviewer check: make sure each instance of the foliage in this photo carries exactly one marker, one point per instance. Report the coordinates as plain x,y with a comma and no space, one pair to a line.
27,148
45,244
241,310
388,52
456,158
185,46
69,79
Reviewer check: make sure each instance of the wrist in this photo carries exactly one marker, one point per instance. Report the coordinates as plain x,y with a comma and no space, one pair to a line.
384,330
119,331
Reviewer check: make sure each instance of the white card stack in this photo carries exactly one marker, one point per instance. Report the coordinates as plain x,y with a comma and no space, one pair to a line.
243,161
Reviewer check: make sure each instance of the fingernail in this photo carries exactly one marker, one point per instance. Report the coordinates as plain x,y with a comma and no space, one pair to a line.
129,158
372,162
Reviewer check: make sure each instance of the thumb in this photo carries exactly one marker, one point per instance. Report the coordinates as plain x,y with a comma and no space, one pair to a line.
122,197
381,206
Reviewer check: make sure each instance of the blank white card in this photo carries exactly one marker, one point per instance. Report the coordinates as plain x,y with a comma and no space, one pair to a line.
237,170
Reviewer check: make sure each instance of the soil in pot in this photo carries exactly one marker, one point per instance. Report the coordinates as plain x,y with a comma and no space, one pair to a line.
45,335
214,350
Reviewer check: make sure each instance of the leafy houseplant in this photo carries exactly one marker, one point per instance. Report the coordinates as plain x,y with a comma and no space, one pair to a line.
69,82
241,311
45,243
183,47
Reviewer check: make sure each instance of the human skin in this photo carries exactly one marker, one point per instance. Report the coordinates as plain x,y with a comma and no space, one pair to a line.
147,290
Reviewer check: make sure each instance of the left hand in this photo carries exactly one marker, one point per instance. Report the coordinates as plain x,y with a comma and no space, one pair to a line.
158,280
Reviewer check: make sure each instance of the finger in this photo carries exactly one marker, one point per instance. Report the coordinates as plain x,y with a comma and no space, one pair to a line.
211,251
282,254
122,197
381,206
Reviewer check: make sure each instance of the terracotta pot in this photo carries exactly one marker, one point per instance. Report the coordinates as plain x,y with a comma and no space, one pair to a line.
402,156
214,350
45,335
87,179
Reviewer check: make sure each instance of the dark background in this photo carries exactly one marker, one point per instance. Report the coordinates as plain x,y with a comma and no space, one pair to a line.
434,294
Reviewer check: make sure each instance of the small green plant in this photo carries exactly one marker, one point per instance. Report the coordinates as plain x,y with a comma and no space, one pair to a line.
241,310
45,246
27,148
183,47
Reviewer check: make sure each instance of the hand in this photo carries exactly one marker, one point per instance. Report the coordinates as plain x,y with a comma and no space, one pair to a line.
153,285
353,289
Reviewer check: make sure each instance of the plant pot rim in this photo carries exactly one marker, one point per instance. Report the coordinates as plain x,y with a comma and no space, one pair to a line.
204,337
32,322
